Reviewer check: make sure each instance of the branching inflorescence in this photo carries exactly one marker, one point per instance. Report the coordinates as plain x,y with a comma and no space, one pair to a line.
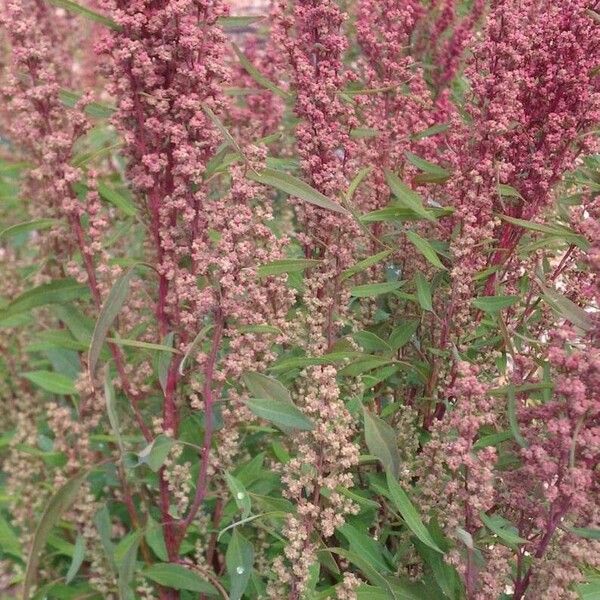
305,305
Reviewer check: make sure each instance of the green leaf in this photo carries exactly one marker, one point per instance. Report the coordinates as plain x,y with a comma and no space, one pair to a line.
366,547
409,513
401,335
589,591
295,187
360,133
407,197
428,167
286,265
111,411
78,556
156,452
493,304
117,199
229,139
162,362
365,264
237,21
239,494
423,292
108,313
96,110
369,592
258,76
425,248
512,417
365,567
362,365
554,230
239,559
55,507
567,309
52,382
178,577
59,291
282,414
260,329
77,9
155,539
431,131
493,439
125,556
381,442
509,192
35,225
266,387
504,529
103,525
371,342
143,345
399,213
9,542
370,290
586,532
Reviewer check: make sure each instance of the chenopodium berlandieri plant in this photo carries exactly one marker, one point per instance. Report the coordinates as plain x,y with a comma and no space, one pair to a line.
300,304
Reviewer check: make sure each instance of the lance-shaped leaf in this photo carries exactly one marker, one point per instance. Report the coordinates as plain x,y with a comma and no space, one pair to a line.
55,507
239,559
178,577
504,529
365,264
295,187
35,225
258,76
407,197
286,265
52,382
266,387
156,452
381,442
425,248
283,414
409,512
567,308
56,292
77,560
108,313
85,12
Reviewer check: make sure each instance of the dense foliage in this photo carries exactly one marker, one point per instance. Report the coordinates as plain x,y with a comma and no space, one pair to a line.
303,306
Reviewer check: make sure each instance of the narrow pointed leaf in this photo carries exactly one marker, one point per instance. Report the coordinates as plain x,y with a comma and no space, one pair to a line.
425,248
52,382
262,386
85,12
55,507
178,577
295,187
365,264
77,560
381,442
286,265
239,559
370,290
35,225
108,313
56,292
282,414
409,513
407,197
258,76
